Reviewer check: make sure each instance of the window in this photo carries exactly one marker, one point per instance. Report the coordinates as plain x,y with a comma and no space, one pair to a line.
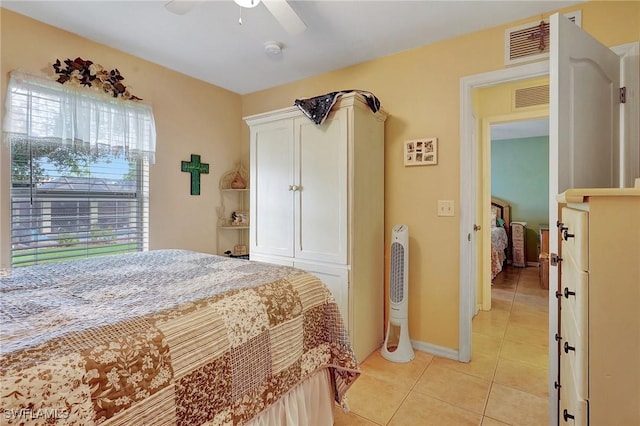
79,172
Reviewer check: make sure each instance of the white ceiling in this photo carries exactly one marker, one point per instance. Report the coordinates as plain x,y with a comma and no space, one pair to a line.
207,43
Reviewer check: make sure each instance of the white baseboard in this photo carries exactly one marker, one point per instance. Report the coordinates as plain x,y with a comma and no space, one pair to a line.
435,350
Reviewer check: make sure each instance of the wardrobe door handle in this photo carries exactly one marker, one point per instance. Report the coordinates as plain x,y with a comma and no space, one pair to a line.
567,416
567,235
568,293
568,348
558,337
557,385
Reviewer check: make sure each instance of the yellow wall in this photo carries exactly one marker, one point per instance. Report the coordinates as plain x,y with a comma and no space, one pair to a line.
191,117
419,88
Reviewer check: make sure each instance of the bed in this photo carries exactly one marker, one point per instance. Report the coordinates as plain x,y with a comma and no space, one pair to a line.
170,337
500,222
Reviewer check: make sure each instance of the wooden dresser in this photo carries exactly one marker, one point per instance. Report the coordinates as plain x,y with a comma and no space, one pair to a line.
519,244
599,302
543,256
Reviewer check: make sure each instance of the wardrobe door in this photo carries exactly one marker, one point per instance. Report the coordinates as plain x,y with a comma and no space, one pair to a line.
271,215
321,195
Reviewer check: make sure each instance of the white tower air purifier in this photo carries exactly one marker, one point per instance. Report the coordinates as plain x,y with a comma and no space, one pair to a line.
397,346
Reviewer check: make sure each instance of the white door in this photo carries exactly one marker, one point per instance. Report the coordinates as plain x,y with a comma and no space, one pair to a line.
271,182
583,141
321,191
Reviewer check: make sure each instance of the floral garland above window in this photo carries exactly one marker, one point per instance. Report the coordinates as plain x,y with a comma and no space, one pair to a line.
85,73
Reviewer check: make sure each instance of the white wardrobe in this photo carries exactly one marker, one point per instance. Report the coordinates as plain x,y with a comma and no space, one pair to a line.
317,203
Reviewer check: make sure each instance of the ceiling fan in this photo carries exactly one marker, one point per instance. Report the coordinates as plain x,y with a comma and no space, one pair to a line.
280,9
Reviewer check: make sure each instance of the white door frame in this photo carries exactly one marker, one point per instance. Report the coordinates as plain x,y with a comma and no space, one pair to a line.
630,158
468,160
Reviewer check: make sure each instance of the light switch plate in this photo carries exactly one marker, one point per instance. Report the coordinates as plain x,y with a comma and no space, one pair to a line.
446,208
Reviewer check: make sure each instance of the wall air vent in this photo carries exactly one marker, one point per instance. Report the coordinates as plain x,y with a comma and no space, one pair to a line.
530,96
530,41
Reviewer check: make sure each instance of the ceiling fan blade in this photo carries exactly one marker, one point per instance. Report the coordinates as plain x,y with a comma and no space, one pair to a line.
180,7
284,13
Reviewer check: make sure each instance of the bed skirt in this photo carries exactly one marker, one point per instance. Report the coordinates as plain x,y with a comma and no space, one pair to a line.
309,403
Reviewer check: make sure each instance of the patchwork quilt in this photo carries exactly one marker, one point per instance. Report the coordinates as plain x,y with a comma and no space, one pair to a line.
162,337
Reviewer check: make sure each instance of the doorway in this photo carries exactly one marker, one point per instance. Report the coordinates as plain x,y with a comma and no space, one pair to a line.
469,157
628,167
515,164
468,197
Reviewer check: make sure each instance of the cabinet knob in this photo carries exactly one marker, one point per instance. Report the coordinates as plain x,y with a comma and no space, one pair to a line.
558,295
567,416
567,235
568,293
568,348
293,187
557,385
558,337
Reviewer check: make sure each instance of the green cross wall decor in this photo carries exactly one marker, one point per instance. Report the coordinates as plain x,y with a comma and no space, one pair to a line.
195,167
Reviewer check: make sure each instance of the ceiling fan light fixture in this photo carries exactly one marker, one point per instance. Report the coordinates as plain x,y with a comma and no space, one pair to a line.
247,3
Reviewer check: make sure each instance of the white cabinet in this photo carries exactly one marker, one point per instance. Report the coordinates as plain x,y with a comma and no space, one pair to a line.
317,203
599,300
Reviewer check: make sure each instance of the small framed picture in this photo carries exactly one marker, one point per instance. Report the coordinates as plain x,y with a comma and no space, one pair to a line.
421,152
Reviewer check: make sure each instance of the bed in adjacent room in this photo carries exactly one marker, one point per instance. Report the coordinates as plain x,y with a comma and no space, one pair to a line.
170,337
500,222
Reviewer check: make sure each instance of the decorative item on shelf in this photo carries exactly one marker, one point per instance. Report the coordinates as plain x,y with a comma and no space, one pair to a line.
236,179
240,250
85,73
240,218
237,256
238,182
421,152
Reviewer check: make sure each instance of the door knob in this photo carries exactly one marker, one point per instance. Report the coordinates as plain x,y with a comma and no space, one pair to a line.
554,259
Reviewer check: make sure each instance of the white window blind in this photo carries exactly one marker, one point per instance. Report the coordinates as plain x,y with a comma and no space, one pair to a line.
79,171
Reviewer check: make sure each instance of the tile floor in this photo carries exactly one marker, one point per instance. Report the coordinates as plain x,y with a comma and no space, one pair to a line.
504,384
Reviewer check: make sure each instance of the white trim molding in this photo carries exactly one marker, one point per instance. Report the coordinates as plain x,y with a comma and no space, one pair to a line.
468,157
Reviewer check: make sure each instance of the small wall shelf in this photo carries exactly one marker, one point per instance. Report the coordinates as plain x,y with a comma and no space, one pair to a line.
233,212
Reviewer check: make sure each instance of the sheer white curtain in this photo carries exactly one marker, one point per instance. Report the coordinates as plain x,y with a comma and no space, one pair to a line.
39,110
